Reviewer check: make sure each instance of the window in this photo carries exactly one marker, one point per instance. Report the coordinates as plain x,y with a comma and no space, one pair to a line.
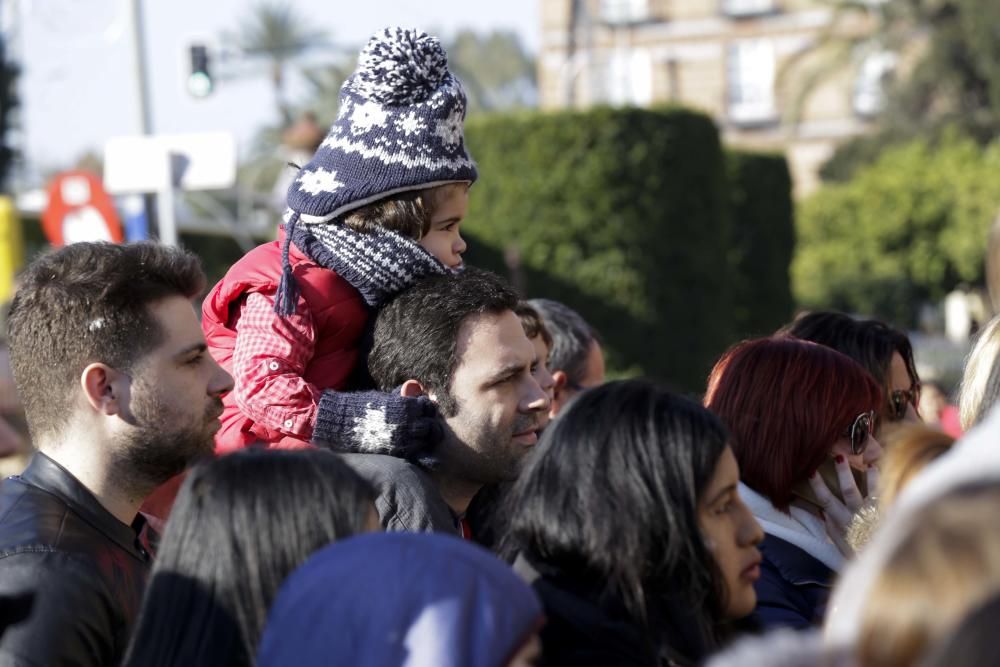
624,11
625,78
750,81
747,7
868,97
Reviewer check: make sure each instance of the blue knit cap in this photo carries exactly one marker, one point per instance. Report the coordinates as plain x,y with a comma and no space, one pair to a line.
400,128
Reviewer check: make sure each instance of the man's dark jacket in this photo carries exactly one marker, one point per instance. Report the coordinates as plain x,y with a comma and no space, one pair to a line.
406,497
71,574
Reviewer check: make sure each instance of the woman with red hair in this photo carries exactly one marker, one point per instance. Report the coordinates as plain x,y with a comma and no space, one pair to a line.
801,417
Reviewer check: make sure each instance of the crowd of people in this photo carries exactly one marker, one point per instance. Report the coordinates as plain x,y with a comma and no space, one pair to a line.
366,453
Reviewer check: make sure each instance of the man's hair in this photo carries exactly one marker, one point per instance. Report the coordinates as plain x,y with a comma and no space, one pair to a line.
532,323
416,333
86,303
572,338
408,213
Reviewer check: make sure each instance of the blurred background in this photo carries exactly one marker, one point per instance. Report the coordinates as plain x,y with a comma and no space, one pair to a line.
685,173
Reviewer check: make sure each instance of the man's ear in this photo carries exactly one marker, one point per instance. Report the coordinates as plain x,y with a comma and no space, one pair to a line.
105,388
561,380
412,389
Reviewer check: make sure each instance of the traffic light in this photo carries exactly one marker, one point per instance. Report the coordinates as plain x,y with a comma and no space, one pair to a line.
199,82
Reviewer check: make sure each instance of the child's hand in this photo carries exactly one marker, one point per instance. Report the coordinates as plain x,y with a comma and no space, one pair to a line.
376,422
421,429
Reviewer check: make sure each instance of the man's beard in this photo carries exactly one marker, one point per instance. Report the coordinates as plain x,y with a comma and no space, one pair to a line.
161,445
497,458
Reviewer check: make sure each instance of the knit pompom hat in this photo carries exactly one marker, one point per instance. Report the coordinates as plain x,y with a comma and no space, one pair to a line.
400,128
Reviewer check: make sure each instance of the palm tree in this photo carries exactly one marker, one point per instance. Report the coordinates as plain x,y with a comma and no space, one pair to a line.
275,32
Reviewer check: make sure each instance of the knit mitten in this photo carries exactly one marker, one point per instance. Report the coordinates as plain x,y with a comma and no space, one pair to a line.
375,422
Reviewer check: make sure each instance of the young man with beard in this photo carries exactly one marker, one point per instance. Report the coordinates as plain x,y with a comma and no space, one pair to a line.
456,340
120,394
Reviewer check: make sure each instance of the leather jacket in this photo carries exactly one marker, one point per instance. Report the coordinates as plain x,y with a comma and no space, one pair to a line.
71,574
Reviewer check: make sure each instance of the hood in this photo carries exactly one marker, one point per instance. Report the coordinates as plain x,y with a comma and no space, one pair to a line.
405,599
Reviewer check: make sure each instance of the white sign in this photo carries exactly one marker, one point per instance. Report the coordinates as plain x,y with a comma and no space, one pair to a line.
85,224
201,161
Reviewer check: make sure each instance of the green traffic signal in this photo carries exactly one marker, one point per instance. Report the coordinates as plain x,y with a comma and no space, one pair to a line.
199,83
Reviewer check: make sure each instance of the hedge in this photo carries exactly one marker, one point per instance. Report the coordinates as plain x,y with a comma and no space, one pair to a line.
763,241
624,215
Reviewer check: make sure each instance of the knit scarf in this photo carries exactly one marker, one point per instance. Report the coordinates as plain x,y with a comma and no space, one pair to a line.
378,264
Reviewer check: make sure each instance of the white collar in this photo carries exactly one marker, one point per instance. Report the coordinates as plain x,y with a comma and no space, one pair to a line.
798,527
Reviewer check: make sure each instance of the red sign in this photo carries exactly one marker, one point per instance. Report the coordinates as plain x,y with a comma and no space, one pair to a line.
80,210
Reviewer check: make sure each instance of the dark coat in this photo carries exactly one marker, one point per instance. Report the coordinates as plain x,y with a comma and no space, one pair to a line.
407,498
793,587
76,572
583,630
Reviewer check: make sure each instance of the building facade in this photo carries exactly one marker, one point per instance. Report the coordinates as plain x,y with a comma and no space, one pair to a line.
747,63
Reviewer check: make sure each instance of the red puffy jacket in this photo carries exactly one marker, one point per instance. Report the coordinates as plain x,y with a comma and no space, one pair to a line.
339,315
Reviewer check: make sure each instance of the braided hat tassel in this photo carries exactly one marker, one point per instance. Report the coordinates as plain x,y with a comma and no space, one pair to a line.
288,289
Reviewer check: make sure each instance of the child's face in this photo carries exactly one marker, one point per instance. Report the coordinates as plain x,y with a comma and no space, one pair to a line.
444,240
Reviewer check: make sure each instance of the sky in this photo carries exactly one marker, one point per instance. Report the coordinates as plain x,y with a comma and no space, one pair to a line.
78,81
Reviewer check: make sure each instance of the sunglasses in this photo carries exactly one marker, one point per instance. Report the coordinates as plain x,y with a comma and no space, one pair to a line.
900,399
863,426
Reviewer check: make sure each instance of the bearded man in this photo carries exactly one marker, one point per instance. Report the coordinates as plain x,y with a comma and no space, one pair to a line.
120,394
457,340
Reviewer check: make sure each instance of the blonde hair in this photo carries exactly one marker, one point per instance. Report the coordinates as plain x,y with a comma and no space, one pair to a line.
947,564
981,378
908,450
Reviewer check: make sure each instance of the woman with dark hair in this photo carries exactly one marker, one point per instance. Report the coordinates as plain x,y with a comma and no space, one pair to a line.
241,524
802,417
628,524
881,350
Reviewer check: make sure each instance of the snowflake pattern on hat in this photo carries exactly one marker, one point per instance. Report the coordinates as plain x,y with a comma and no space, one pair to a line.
321,180
366,116
400,128
450,129
410,124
